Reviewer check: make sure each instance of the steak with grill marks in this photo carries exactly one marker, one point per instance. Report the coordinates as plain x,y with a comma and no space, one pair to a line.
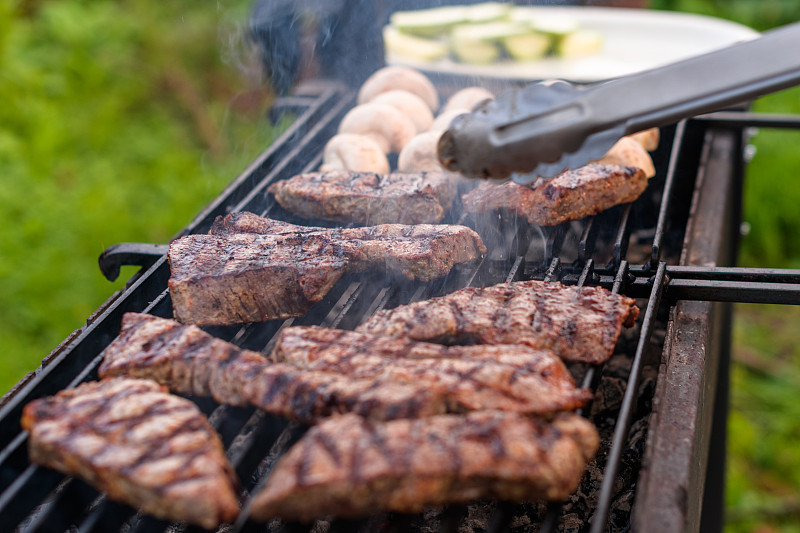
422,251
572,195
580,324
367,198
507,378
250,278
349,467
139,444
190,361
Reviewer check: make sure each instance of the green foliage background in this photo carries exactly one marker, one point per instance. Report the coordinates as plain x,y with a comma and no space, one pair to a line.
120,120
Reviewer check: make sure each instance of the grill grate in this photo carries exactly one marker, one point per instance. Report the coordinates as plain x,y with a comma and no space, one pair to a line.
626,249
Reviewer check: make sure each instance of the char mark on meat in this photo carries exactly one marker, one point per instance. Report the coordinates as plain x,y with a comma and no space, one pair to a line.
367,198
580,324
423,251
139,444
190,361
349,467
572,195
508,378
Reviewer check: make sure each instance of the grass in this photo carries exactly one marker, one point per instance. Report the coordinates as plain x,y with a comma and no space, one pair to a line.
120,122
764,465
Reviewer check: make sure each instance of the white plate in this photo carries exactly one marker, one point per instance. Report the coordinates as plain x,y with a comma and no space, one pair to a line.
633,40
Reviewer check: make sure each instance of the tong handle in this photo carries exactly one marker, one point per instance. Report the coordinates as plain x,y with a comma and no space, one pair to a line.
699,84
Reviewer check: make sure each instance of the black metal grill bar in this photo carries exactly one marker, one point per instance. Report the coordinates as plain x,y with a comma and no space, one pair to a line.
623,236
734,291
740,274
663,213
622,425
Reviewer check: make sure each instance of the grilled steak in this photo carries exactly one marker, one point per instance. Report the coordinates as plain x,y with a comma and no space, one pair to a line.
507,378
250,278
572,195
350,467
422,251
139,444
190,361
367,198
578,323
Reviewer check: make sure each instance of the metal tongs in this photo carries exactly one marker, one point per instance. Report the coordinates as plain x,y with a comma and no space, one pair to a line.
547,127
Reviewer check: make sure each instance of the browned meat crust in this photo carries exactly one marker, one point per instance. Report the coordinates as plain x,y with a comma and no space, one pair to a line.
572,195
349,467
422,251
367,198
578,323
507,378
140,445
190,361
250,278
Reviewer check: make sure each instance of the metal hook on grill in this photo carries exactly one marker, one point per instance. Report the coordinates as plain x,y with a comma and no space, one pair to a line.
129,253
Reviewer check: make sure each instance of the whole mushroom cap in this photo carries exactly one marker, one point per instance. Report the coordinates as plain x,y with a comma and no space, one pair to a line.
403,78
350,151
410,105
390,128
466,99
420,154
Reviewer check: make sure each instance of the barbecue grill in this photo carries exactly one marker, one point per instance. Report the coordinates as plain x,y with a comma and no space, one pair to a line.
660,402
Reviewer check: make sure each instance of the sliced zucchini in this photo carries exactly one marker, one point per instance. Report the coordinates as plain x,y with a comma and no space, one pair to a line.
429,22
527,47
476,52
579,44
413,47
489,31
481,43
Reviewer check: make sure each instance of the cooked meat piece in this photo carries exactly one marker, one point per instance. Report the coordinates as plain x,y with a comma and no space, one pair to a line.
305,345
139,444
578,323
190,361
572,195
349,467
250,278
366,198
422,251
506,378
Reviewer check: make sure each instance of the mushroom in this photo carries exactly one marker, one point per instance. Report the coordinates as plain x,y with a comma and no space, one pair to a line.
420,154
390,128
442,122
402,78
466,99
351,151
627,152
647,138
410,105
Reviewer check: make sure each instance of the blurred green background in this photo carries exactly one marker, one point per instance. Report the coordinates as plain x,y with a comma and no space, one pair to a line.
120,120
